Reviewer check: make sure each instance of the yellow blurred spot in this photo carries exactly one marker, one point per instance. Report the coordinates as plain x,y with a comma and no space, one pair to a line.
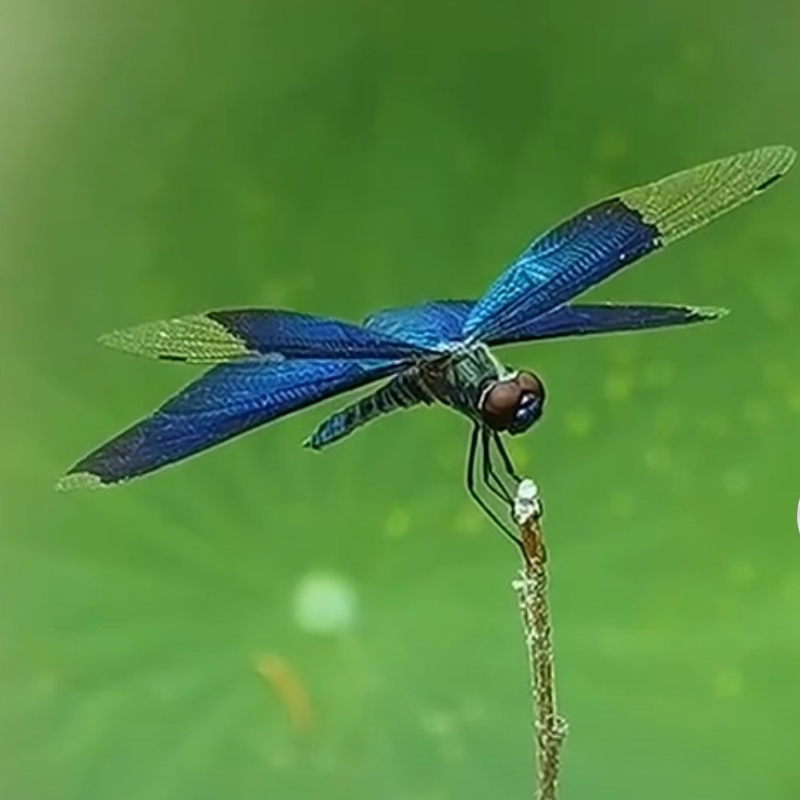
757,412
468,521
275,294
694,55
449,459
658,458
776,304
578,423
597,186
613,642
735,480
441,726
150,182
669,419
472,710
790,588
280,758
666,91
618,387
280,674
623,350
793,400
46,684
437,723
466,158
741,573
611,146
398,523
776,374
518,453
728,683
257,202
717,425
622,505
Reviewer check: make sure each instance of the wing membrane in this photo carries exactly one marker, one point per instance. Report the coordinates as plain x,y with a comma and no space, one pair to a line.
429,325
438,322
257,334
586,319
224,402
602,239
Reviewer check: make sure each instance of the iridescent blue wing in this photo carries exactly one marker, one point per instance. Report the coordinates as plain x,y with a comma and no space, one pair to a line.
257,334
602,239
585,319
429,325
226,401
438,322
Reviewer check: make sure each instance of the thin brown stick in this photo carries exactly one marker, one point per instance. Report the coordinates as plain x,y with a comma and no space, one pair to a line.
551,729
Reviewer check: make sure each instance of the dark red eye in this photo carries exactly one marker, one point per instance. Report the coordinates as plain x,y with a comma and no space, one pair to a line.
500,403
513,405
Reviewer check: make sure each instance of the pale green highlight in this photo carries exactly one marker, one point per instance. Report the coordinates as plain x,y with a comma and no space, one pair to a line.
195,338
684,202
79,480
712,312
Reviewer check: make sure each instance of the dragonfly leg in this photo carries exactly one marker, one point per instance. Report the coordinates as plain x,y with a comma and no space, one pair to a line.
470,476
508,464
490,477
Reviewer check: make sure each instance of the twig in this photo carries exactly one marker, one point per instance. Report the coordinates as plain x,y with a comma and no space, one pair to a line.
551,729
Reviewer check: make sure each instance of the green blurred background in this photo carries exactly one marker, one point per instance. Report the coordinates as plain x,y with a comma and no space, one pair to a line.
164,158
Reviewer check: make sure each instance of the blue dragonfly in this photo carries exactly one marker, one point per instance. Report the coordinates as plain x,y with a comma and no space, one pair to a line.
269,363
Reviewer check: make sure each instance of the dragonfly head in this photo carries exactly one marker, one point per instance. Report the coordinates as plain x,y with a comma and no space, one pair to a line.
514,403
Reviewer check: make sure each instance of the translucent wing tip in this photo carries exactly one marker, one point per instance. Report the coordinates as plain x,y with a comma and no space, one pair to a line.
79,480
685,201
125,339
710,313
777,160
196,338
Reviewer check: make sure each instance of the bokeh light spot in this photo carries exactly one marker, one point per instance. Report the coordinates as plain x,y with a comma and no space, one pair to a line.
325,603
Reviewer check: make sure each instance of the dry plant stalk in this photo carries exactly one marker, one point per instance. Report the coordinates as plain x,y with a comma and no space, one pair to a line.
551,729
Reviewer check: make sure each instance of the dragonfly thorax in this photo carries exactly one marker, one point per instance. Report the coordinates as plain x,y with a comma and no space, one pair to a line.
512,403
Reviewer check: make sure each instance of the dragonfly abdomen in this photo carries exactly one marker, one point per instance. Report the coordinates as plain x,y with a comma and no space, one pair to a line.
403,391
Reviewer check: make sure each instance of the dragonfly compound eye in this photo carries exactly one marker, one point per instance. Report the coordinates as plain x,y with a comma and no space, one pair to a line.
513,405
530,404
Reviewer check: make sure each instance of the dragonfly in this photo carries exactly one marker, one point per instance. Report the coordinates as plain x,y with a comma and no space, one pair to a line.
268,363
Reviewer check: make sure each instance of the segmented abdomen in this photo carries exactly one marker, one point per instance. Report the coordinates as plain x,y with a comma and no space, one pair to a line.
403,391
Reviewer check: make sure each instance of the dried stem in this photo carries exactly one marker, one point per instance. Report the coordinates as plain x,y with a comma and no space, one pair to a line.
531,587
